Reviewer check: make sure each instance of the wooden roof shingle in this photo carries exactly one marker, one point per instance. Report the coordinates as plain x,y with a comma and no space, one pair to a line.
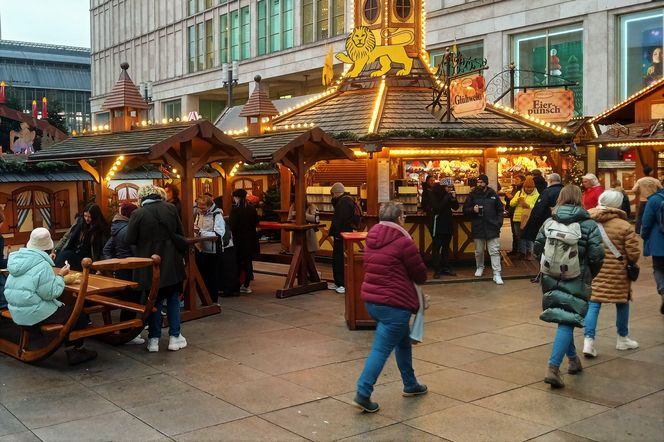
124,93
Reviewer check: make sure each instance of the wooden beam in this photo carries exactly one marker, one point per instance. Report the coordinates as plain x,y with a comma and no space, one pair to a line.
187,183
90,169
173,158
203,159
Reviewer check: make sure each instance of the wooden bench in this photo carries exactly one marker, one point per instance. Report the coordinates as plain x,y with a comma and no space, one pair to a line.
90,296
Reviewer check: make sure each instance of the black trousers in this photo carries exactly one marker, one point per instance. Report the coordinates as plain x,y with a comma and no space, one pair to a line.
208,265
229,276
440,251
338,262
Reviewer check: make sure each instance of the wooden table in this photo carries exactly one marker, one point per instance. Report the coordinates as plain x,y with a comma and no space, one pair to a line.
302,264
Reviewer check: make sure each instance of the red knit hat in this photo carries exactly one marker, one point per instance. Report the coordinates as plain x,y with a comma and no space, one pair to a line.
126,209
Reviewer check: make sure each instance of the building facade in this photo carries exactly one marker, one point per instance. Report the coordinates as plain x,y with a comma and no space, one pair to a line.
59,73
179,49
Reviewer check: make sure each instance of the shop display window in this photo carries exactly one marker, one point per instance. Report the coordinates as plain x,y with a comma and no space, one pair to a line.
546,57
511,166
641,44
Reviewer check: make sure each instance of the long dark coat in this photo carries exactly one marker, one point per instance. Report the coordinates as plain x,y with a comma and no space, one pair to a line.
243,221
150,237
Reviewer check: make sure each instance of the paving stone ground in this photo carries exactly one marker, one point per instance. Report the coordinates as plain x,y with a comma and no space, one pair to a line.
284,370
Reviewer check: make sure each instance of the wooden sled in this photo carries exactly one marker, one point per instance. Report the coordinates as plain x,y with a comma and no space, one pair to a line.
90,296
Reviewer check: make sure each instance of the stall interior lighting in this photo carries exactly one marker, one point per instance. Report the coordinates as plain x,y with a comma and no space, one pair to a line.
359,153
502,149
636,144
235,168
377,104
117,165
628,99
407,152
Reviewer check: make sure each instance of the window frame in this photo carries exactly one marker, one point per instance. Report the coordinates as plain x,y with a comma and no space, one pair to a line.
335,20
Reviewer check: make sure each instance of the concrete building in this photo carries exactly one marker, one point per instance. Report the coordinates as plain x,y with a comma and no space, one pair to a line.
178,49
59,73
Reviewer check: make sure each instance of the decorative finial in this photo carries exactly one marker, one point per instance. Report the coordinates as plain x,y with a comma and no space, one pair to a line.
124,65
257,78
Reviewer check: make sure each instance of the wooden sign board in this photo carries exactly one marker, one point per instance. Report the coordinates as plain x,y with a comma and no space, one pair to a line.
468,97
552,105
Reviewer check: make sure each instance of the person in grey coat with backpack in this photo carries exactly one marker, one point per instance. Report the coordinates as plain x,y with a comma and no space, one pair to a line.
572,254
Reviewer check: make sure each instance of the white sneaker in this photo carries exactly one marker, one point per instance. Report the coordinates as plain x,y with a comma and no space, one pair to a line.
175,343
497,279
479,271
589,350
153,345
625,343
340,290
244,289
136,341
331,286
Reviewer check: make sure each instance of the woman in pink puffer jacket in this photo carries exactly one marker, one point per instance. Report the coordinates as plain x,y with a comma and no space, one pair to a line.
392,267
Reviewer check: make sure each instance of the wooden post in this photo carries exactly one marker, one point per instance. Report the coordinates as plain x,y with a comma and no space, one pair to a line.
187,191
284,196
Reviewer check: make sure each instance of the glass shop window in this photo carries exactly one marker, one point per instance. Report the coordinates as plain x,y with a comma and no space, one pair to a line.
641,42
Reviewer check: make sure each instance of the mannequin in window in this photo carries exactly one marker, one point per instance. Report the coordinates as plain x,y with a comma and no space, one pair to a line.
654,71
554,63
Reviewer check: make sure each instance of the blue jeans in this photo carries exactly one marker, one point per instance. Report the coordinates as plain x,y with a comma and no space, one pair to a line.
563,345
622,318
392,333
172,298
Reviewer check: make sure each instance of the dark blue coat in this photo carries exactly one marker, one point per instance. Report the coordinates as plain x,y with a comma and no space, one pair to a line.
650,232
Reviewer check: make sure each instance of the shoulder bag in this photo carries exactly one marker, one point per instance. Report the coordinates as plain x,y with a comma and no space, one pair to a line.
633,268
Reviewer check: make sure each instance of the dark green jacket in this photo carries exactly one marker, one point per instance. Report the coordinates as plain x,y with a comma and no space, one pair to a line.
566,302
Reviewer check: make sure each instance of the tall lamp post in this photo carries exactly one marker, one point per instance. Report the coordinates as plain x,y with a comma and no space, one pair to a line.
145,89
231,71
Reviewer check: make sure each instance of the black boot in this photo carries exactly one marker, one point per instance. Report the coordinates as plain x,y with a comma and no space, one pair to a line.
365,404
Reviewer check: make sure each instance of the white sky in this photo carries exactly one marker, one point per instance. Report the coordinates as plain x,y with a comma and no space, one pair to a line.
65,22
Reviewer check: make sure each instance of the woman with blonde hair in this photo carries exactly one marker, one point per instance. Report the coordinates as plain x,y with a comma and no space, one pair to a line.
565,301
523,202
611,285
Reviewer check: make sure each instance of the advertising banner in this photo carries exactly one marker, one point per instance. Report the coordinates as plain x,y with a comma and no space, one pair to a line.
468,96
552,105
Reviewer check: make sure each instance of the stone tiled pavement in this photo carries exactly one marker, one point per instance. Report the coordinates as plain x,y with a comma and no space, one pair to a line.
285,370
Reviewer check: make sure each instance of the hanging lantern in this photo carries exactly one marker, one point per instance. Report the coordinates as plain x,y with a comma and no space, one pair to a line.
44,113
34,108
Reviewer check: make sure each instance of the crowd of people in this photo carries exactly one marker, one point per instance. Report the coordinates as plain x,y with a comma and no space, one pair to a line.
588,255
149,227
587,249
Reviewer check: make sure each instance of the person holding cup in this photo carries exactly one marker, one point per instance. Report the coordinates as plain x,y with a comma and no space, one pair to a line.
484,208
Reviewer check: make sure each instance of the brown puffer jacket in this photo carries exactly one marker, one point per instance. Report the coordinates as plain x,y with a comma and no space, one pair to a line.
612,284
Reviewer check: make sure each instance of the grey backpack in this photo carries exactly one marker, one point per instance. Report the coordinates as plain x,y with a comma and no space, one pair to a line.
560,258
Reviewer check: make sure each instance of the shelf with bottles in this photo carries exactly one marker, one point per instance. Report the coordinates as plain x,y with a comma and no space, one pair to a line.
321,197
408,196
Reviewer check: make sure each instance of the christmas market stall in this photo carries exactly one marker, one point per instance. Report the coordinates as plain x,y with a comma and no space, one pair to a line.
181,147
404,121
632,136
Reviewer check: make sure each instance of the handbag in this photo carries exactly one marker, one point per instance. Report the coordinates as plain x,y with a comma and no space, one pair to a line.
632,268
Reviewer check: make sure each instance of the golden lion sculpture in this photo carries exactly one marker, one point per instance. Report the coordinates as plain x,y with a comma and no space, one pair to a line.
361,49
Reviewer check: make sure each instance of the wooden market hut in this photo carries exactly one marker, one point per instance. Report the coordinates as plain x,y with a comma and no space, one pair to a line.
187,146
636,125
386,112
295,150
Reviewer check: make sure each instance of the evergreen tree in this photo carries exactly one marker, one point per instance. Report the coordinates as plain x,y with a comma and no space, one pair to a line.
11,99
56,116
